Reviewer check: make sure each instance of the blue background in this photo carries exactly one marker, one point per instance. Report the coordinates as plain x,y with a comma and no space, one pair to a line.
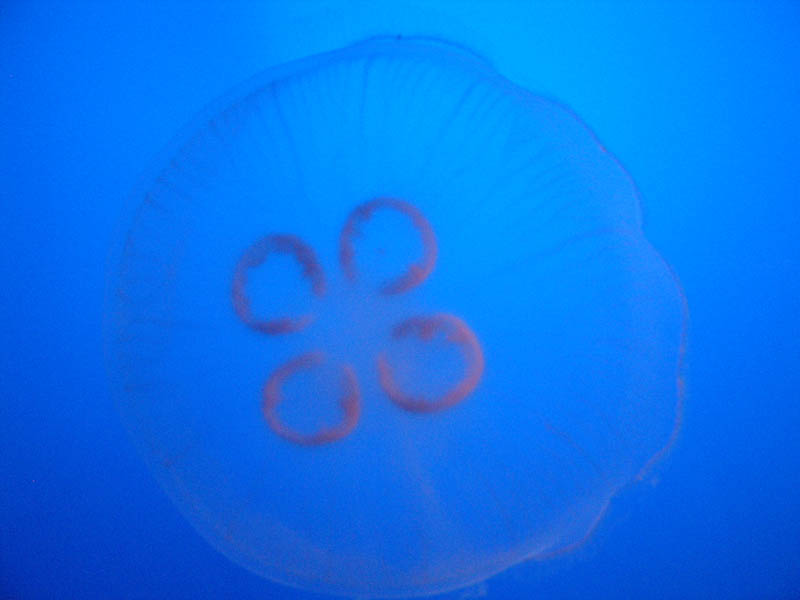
699,102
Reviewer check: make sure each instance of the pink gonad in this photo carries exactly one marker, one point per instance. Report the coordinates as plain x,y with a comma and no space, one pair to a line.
423,327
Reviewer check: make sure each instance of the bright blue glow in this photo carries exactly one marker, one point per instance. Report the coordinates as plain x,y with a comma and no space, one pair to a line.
699,102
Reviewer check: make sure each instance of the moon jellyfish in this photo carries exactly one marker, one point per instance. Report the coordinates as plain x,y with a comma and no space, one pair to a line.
385,324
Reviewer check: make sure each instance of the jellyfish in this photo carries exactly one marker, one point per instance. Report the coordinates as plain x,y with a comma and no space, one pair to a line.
385,324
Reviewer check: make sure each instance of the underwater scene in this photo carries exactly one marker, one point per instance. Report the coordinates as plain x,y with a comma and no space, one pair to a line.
397,300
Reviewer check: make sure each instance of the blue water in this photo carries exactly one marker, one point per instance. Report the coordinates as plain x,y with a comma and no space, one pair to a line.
697,102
